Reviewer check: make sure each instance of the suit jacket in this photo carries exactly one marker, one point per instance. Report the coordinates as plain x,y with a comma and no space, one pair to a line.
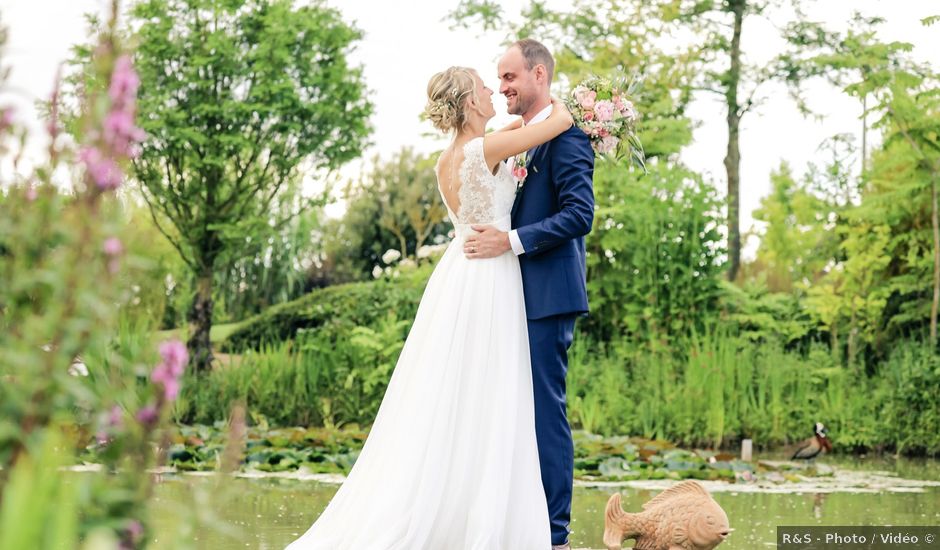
551,215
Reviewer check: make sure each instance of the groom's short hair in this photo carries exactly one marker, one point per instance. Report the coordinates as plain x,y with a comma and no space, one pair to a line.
534,53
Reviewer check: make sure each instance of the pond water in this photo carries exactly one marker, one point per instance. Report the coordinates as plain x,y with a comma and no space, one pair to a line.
267,513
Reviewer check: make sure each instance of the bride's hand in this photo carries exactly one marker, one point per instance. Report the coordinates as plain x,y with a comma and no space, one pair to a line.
559,109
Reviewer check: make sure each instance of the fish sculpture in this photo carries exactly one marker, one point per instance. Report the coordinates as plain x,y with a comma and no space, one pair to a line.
683,517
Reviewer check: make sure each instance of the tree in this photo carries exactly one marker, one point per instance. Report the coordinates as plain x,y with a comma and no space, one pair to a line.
410,204
238,100
802,236
906,97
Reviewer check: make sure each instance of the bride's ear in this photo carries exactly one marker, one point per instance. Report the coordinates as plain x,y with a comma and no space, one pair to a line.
475,104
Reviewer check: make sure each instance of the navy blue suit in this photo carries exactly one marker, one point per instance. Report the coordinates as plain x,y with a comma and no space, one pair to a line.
551,215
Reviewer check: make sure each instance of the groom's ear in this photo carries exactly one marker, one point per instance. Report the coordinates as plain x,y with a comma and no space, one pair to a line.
541,73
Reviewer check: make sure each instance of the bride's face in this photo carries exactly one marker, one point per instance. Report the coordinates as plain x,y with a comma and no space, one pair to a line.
484,99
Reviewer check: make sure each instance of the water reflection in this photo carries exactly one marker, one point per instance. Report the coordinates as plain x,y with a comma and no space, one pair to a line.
269,513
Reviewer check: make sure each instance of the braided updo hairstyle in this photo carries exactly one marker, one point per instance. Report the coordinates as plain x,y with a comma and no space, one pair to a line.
448,91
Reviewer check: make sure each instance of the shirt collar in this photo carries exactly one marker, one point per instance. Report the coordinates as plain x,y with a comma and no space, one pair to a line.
543,114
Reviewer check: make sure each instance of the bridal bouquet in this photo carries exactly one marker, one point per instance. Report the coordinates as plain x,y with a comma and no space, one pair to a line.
603,108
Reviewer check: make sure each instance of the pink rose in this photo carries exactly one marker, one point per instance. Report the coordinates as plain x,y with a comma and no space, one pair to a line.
585,98
520,173
604,110
606,145
628,110
588,116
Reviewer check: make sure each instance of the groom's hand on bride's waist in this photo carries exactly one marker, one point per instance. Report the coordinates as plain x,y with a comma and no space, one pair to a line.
488,242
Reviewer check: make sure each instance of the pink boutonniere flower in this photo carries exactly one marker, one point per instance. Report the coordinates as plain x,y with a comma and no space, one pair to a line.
519,170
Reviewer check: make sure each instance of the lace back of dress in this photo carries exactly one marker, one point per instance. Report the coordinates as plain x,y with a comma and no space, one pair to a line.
477,186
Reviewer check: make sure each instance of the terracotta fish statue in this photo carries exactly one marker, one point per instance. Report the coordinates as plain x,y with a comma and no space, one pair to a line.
683,517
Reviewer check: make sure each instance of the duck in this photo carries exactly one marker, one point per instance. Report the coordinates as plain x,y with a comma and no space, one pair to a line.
812,447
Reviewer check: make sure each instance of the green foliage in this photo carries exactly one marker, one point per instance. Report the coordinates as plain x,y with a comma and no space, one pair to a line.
718,388
797,243
327,376
912,411
396,206
336,309
277,270
40,507
654,253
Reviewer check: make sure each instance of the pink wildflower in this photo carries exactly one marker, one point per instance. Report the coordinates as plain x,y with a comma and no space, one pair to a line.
102,170
124,81
112,246
147,415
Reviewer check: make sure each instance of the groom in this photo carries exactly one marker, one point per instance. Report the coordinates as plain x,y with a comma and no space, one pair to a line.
553,212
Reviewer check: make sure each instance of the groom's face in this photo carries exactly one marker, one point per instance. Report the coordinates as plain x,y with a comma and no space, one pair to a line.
517,83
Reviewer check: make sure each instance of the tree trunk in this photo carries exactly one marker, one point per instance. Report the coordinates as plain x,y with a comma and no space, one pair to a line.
864,134
936,256
200,323
733,155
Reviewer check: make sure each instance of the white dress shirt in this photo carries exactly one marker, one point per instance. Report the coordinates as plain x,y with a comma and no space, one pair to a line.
514,240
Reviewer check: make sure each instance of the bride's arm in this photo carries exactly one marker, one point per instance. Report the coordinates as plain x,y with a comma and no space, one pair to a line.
502,145
511,126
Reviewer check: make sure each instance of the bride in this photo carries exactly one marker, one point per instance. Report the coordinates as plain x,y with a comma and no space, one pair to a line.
451,462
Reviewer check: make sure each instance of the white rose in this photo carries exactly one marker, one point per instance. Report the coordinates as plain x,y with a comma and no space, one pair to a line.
376,272
391,255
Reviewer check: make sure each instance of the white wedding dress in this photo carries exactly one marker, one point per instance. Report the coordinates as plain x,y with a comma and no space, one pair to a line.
451,461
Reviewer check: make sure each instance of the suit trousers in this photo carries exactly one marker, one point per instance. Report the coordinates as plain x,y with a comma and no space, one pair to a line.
549,340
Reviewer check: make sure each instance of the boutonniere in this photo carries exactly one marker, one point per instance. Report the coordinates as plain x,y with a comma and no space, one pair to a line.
520,170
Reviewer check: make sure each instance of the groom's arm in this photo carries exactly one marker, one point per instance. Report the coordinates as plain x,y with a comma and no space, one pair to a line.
572,164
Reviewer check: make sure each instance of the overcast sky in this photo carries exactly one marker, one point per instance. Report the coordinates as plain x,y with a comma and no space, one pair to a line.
406,42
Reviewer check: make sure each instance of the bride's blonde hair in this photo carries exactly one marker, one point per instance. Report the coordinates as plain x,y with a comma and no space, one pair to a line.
447,98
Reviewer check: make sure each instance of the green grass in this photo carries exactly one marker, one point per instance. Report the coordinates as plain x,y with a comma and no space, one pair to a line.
217,333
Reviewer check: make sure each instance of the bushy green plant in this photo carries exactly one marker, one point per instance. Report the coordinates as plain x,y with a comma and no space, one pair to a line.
65,382
654,255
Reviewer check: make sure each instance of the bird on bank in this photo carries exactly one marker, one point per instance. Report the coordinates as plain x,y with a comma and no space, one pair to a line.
812,447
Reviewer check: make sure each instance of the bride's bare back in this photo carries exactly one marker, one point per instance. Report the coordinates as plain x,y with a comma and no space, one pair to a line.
472,191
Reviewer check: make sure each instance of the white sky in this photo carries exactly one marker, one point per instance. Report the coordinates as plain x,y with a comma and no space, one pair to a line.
406,42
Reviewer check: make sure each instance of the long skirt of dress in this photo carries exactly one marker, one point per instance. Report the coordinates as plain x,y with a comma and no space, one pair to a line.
451,462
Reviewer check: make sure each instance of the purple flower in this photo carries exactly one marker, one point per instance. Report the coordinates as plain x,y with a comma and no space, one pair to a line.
174,356
147,415
6,118
135,529
124,81
169,372
116,417
102,438
121,133
113,247
102,170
